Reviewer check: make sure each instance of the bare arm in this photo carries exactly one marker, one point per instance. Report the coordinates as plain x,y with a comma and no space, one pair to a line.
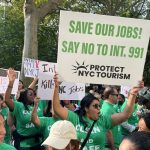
12,76
33,83
118,118
10,119
34,117
110,139
128,126
69,105
60,111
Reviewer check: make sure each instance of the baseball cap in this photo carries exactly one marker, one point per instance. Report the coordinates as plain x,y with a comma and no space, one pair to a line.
60,134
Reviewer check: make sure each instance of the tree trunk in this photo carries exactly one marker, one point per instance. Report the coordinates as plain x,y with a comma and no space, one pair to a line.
32,17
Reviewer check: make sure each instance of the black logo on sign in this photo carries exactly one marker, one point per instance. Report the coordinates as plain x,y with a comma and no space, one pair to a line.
79,67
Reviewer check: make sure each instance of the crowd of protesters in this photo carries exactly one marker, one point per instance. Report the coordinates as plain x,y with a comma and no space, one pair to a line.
103,120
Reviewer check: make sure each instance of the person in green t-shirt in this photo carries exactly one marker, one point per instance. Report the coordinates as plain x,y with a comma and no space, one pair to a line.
4,110
121,100
114,135
42,123
3,146
130,125
88,113
28,136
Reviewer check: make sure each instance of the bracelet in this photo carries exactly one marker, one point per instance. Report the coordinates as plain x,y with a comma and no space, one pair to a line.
133,94
10,86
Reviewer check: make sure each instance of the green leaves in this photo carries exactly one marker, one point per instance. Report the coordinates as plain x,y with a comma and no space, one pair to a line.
40,2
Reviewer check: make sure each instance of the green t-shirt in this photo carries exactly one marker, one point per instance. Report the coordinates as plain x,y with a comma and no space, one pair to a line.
96,140
42,104
24,125
7,138
133,119
117,107
107,110
101,102
4,146
45,125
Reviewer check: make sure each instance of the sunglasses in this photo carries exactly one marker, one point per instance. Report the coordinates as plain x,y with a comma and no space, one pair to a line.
115,94
96,106
31,93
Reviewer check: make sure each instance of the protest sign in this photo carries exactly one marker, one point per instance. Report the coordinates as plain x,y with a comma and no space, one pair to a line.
67,91
125,90
4,81
102,49
31,67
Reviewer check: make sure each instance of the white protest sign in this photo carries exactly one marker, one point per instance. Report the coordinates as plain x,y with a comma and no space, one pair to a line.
125,90
4,81
102,49
67,91
31,67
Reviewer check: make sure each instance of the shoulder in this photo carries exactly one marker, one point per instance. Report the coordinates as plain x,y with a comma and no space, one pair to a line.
7,146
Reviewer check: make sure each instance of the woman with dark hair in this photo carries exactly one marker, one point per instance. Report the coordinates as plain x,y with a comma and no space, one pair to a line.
28,137
136,141
89,112
144,123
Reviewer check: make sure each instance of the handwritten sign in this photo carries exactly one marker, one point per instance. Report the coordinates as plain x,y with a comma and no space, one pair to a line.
67,90
102,49
4,81
31,67
125,90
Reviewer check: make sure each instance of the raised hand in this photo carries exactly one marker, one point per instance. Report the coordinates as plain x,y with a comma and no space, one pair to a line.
137,88
36,100
11,74
56,80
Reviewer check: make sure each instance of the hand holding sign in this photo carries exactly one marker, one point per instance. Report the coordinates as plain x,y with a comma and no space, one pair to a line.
136,89
56,80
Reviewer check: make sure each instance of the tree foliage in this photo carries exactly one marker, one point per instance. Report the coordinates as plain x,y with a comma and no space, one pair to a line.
11,36
12,27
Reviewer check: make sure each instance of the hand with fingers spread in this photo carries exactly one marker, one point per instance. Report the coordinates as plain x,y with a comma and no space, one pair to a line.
11,74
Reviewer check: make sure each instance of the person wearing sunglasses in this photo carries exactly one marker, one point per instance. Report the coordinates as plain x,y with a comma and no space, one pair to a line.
27,135
114,135
88,113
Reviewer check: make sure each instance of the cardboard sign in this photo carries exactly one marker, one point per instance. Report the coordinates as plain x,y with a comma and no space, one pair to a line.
67,91
125,90
31,67
102,49
4,81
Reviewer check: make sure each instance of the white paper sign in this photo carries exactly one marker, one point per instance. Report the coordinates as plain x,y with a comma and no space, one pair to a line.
4,81
102,49
67,91
125,90
31,67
